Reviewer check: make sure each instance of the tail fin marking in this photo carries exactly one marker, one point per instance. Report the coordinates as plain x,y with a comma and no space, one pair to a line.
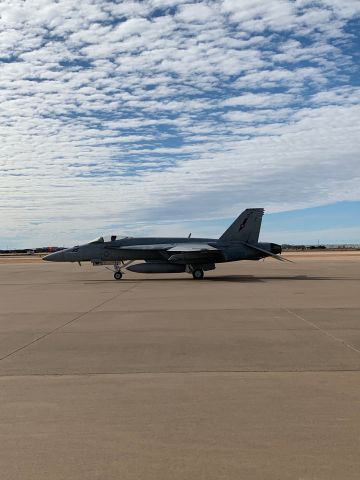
246,228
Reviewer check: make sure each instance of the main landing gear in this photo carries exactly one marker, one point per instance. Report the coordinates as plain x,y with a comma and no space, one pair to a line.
197,271
198,274
118,275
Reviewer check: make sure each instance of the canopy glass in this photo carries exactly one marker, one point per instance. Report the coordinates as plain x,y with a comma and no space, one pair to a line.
108,238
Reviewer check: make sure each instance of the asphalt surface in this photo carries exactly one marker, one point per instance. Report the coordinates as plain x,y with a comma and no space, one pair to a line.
252,373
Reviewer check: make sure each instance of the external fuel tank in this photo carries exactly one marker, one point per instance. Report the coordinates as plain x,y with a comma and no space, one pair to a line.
152,267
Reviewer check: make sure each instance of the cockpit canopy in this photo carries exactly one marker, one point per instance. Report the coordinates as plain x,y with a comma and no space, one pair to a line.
108,238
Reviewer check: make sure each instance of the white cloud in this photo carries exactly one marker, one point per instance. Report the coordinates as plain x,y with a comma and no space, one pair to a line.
345,8
196,12
110,114
259,100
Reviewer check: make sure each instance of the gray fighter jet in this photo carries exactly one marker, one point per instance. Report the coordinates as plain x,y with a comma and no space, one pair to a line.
175,255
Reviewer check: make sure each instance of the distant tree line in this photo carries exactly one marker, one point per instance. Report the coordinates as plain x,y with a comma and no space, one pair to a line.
287,246
31,251
303,247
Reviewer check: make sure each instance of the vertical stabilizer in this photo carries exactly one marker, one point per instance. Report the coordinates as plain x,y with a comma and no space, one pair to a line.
246,227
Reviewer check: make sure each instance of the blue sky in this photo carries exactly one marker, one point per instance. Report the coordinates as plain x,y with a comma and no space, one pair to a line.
164,117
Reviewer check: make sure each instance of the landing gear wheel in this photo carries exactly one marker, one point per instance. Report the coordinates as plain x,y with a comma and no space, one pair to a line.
198,274
118,275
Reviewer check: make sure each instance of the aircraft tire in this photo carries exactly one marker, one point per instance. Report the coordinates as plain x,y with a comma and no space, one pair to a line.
118,275
198,274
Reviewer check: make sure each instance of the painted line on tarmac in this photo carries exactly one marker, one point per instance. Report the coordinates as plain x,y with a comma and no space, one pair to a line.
325,332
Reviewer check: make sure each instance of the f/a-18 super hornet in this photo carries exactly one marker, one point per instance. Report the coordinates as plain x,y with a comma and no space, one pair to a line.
175,255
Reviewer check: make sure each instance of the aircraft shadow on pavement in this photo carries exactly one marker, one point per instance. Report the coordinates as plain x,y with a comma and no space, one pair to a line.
224,278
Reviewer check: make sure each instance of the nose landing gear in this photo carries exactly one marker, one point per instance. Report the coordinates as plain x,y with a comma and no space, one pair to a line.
118,275
118,266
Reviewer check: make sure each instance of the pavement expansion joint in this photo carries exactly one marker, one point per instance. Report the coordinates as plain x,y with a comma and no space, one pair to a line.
81,315
325,332
195,372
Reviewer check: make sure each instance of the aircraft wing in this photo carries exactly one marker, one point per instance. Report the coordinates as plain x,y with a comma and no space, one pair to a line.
194,253
192,247
156,246
182,253
169,247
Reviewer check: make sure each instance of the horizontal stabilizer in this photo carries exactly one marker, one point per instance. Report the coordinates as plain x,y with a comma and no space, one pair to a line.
270,254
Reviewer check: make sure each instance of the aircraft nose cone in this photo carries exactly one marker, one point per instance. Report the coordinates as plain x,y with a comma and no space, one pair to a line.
55,257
